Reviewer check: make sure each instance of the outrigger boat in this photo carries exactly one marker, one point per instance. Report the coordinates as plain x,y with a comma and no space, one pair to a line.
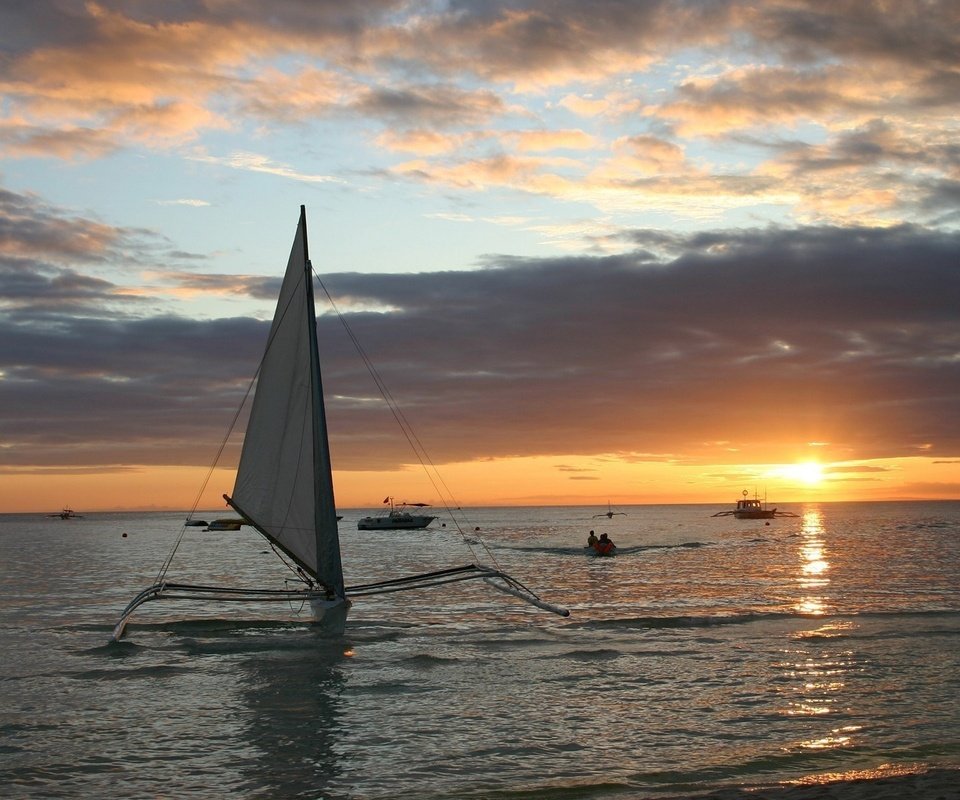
753,508
284,483
67,513
610,513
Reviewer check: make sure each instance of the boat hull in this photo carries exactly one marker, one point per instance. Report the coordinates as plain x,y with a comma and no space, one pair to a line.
768,513
330,616
406,522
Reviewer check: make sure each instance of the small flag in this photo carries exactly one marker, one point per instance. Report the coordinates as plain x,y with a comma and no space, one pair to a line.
386,499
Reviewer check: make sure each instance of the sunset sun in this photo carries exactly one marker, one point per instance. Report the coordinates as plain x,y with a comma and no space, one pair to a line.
809,472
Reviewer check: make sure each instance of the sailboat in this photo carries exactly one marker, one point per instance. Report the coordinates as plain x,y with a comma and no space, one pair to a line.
284,484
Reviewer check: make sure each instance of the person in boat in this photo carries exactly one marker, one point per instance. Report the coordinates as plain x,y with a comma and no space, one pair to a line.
604,545
592,540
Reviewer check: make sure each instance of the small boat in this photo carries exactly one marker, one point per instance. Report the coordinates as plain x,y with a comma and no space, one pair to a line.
398,518
602,547
196,523
610,513
753,508
67,513
226,524
284,482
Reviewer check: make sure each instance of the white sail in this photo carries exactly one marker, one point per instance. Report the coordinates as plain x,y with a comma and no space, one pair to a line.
284,485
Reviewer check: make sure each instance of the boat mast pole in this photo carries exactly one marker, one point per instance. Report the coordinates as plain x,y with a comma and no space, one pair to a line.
325,516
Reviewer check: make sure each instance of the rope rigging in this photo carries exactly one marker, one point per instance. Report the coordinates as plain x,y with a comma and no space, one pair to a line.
429,468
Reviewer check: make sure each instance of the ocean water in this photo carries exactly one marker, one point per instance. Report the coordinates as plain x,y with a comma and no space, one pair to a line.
710,652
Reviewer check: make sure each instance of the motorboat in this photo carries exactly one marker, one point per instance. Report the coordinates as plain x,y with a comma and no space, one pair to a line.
397,518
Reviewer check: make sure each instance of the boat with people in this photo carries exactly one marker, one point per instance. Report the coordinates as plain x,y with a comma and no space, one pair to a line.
602,546
397,518
284,481
753,508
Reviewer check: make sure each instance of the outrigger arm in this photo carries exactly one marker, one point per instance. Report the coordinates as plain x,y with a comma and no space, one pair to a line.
182,591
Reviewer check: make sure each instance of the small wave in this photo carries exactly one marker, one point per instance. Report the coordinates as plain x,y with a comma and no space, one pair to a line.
427,661
127,673
716,620
601,654
685,621
926,525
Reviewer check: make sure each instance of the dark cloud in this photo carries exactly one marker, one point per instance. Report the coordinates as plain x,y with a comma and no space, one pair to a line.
28,227
854,469
905,33
46,258
759,339
440,106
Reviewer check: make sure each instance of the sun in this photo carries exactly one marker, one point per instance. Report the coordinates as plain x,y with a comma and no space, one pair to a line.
810,472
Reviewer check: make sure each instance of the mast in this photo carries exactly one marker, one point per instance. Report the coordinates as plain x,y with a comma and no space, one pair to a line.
329,566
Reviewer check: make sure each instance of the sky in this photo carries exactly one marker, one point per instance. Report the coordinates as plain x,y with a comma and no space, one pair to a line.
607,252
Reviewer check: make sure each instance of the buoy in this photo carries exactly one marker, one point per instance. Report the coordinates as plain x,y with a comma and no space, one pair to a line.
124,534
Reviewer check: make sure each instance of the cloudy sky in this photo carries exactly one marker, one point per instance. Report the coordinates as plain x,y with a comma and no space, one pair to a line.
625,251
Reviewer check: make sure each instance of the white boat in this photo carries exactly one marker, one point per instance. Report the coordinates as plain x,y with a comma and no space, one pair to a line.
397,518
753,508
284,483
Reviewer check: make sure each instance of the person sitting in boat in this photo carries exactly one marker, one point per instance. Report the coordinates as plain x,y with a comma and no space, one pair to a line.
592,540
604,545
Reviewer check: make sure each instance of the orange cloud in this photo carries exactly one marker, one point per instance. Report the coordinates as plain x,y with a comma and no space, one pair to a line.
541,141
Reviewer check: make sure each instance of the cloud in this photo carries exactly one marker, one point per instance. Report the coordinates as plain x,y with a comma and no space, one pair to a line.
185,201
28,228
857,469
255,162
762,339
662,342
852,105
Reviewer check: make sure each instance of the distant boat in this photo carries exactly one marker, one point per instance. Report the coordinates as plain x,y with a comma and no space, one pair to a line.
196,523
227,524
398,518
284,483
67,513
610,513
753,508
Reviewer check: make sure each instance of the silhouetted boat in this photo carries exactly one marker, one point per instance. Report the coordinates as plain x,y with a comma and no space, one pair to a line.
753,508
67,513
610,513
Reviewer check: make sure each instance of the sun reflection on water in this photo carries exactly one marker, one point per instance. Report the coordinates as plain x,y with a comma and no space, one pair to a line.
814,565
839,737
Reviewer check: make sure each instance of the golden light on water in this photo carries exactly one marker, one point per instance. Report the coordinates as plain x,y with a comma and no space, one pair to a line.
883,771
814,565
839,737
